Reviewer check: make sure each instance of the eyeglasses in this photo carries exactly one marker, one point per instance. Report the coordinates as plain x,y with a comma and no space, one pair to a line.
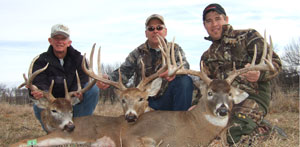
158,28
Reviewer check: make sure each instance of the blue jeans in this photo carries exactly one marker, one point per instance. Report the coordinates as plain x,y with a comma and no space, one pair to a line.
177,97
84,108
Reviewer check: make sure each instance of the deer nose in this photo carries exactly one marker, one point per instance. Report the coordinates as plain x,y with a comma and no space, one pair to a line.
131,118
69,127
222,110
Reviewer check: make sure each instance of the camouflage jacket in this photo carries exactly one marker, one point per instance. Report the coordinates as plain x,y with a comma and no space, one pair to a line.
152,60
238,46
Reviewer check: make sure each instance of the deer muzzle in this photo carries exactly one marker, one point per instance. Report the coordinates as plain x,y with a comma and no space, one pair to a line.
222,110
131,118
69,127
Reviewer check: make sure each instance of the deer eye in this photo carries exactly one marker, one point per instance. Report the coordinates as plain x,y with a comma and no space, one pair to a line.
230,94
209,94
54,111
141,99
123,101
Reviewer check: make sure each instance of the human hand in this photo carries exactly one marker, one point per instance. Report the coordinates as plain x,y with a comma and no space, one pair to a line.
102,85
37,94
251,76
167,77
78,95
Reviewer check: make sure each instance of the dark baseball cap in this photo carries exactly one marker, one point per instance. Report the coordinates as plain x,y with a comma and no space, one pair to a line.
213,7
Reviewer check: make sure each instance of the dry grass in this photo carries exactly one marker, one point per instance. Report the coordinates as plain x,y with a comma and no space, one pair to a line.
17,122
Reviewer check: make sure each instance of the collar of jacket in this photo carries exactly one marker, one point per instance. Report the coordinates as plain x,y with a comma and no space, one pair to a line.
226,30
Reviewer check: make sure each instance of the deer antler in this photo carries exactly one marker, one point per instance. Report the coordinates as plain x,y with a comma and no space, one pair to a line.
169,53
31,76
99,77
48,95
262,66
145,80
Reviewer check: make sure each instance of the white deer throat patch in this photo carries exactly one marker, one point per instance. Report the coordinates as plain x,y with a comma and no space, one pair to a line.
217,121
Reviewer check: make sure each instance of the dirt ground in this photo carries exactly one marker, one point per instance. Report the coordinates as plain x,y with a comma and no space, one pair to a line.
17,122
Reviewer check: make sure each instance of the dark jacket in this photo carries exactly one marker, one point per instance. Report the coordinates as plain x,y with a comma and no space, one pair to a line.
58,73
237,46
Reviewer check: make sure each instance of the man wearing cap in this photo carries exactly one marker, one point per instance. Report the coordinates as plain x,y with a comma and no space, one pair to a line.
176,91
237,46
63,61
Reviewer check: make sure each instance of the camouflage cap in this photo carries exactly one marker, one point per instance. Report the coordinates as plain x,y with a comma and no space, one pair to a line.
155,16
60,29
213,7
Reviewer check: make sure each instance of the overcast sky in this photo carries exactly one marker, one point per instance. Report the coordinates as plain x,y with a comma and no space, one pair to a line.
118,26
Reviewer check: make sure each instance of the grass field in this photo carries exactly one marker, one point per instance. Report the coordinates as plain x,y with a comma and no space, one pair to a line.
17,122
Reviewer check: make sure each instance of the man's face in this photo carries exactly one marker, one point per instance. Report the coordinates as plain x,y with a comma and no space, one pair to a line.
155,28
213,24
60,43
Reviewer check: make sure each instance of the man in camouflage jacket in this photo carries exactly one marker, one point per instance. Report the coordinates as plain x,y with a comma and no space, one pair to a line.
176,91
237,46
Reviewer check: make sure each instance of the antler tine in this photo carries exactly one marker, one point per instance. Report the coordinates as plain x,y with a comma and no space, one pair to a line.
173,68
145,80
143,70
120,83
164,49
29,72
48,94
201,74
33,75
78,81
24,83
99,77
173,52
67,93
98,61
262,66
31,65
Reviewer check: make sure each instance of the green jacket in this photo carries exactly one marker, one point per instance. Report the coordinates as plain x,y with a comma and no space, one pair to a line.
152,60
238,46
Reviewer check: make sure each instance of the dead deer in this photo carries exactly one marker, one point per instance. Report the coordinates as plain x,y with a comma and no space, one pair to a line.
57,117
58,112
101,130
200,125
134,100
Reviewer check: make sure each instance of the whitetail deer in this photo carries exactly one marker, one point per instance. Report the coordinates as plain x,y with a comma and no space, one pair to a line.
57,117
134,100
57,113
100,130
200,125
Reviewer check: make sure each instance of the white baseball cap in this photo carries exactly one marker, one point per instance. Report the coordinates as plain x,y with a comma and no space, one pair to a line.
60,29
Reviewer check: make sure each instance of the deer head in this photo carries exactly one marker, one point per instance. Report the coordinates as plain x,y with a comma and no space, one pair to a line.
134,100
58,112
218,94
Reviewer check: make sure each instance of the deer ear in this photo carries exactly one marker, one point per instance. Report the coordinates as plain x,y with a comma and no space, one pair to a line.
117,91
200,85
41,103
74,100
154,87
239,95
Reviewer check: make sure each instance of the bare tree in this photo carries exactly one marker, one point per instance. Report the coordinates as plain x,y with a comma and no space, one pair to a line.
292,53
289,77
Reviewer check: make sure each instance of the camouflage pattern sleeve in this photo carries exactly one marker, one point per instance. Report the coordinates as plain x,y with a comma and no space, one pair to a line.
256,38
177,49
127,68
